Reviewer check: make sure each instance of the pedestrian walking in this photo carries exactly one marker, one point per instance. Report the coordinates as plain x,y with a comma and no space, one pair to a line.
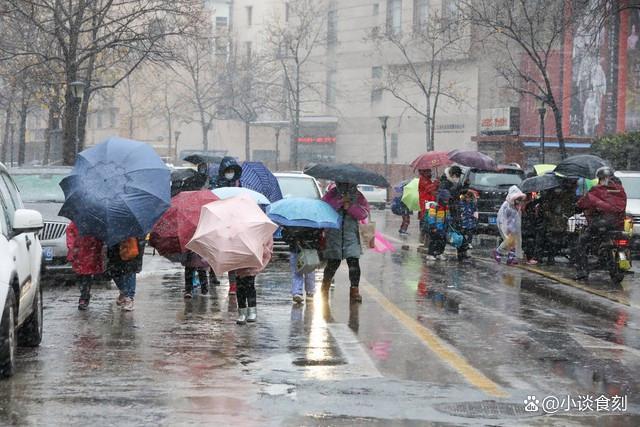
468,209
195,266
300,238
557,206
438,222
229,174
344,243
247,296
85,253
532,230
399,208
124,262
510,225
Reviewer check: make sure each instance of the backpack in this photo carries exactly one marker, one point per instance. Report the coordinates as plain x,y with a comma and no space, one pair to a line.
128,249
397,207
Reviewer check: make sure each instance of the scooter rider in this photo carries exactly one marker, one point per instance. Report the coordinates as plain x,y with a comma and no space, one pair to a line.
604,207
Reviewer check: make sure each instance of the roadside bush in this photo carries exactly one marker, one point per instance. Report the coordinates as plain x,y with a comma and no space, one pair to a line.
622,150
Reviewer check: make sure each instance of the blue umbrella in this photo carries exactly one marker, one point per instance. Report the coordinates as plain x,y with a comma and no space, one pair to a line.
229,192
117,189
304,212
256,176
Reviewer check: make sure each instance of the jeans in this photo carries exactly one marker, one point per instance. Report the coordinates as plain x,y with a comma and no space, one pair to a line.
127,284
437,242
246,292
354,270
298,279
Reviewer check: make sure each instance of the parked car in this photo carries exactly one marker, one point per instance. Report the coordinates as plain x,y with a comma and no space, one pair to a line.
294,184
20,263
492,187
40,190
376,196
631,183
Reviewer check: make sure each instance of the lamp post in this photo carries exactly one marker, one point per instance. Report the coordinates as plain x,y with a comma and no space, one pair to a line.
383,124
77,90
542,111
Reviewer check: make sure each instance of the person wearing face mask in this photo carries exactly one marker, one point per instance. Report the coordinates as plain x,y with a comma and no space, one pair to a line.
344,243
427,190
229,175
557,205
604,207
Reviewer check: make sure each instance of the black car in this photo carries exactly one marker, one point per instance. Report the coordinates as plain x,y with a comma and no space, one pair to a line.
492,187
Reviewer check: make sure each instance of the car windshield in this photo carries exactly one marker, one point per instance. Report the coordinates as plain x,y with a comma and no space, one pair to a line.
42,187
631,186
494,179
298,187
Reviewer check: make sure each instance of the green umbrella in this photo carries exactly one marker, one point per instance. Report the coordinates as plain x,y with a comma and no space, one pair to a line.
410,196
543,168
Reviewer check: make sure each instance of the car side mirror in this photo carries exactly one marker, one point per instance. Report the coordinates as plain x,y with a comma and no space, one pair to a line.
27,221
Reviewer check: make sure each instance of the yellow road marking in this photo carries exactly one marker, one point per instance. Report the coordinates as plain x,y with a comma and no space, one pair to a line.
435,344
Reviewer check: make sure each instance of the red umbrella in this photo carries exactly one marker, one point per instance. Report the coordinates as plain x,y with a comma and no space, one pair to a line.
178,224
430,160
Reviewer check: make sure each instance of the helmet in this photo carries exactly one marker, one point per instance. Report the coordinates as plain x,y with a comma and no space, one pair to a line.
604,172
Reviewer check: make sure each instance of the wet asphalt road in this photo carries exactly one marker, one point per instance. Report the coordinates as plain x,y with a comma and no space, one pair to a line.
437,343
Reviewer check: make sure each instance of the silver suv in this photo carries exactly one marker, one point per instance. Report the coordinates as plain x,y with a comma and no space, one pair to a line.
40,191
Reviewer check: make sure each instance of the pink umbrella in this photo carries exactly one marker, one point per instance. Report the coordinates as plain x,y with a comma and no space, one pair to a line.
234,234
430,160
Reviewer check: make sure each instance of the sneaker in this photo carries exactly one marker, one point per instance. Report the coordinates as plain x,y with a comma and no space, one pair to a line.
298,299
513,261
431,258
532,262
83,303
403,232
128,304
187,295
497,256
204,290
233,288
120,299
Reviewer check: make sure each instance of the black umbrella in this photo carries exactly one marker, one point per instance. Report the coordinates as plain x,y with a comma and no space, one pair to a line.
186,180
348,173
580,166
196,159
540,183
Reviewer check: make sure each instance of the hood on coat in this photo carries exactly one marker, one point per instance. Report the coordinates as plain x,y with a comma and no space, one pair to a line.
448,176
515,194
229,162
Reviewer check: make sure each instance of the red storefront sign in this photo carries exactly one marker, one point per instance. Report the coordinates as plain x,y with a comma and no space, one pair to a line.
317,140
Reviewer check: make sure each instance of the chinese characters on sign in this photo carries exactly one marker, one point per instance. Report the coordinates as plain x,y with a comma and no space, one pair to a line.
499,120
317,140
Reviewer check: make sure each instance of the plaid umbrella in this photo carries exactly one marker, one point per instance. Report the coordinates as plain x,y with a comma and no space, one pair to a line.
256,176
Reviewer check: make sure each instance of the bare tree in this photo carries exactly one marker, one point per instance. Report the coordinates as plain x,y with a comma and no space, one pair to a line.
527,35
418,63
295,46
99,42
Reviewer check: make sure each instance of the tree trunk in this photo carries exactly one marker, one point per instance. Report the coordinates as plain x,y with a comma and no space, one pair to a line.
247,141
70,115
557,115
7,125
22,132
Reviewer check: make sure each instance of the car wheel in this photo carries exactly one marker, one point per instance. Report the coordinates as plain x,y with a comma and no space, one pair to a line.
31,332
8,342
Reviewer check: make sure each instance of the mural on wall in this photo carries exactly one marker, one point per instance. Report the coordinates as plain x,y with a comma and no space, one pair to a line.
593,58
632,89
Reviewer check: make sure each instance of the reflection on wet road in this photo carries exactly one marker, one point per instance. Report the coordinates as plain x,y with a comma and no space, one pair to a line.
443,342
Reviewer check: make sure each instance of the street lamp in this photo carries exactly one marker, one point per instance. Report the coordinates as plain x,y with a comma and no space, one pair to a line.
542,110
77,90
383,124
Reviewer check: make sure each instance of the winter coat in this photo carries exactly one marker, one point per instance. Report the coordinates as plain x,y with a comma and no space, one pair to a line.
118,267
345,242
557,207
468,210
427,190
605,204
84,252
302,237
510,220
221,181
455,189
193,260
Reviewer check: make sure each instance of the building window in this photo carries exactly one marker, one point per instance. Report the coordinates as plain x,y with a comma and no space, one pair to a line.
394,145
394,16
331,88
221,22
376,95
249,16
376,9
376,72
332,28
247,47
420,14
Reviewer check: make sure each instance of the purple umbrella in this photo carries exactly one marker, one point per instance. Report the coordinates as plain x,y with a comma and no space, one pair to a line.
473,159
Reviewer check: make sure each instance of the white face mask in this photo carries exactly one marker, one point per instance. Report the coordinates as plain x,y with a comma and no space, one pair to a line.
455,179
229,175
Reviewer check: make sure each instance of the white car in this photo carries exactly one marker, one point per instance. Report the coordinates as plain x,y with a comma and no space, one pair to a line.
20,266
631,183
376,196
